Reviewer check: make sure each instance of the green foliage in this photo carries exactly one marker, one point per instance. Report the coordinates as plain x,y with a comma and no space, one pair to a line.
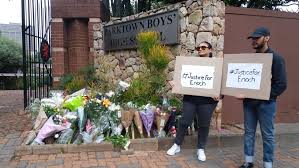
11,83
158,58
64,80
104,81
148,87
155,55
120,8
51,111
76,84
10,55
139,92
260,4
94,110
86,77
117,140
37,81
146,40
88,73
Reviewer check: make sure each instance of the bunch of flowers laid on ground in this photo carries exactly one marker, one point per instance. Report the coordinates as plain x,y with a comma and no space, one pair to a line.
97,114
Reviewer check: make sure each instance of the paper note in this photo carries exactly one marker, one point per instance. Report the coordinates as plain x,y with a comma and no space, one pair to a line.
196,76
244,75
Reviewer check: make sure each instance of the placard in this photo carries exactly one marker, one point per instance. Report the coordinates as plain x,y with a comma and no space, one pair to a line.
247,74
197,76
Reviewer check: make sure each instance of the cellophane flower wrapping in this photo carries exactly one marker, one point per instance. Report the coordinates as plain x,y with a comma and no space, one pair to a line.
138,121
48,129
127,118
147,116
65,136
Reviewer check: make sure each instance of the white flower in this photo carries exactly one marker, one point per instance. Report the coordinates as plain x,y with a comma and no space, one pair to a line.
147,106
131,105
124,84
98,101
110,93
114,107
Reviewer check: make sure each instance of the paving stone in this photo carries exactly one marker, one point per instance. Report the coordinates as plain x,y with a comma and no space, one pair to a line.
129,166
13,135
6,152
12,142
115,154
55,162
4,163
23,164
23,150
100,155
5,159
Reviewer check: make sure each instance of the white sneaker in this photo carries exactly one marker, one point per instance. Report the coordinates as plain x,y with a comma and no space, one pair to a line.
173,150
201,155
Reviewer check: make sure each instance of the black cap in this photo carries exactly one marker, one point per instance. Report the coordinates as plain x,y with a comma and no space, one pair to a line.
259,32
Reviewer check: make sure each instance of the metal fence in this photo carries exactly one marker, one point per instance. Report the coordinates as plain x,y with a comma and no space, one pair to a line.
37,63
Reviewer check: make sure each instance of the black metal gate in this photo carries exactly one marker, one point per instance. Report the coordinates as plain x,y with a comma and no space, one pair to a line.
37,63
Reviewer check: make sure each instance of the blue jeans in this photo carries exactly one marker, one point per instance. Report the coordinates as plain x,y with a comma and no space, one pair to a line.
263,112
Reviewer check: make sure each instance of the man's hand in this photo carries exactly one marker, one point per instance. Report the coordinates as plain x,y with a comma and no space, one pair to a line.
240,96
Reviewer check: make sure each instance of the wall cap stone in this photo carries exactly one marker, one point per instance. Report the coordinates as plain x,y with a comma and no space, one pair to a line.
57,20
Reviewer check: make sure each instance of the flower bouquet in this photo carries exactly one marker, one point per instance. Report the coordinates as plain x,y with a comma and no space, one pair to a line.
138,122
127,118
147,116
161,119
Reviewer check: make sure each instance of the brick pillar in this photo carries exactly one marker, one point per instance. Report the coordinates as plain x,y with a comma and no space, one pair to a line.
91,30
78,48
58,51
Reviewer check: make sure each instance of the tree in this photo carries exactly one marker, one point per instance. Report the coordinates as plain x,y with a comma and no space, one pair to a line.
10,55
260,4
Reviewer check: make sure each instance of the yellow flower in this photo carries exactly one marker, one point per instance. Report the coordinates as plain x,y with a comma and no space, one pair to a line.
106,102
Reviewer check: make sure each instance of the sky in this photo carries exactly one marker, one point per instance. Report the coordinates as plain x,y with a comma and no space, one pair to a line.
10,11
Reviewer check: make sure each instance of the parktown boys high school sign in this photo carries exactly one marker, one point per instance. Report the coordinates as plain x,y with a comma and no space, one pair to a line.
123,35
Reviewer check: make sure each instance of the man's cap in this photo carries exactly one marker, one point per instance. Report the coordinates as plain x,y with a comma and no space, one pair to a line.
259,32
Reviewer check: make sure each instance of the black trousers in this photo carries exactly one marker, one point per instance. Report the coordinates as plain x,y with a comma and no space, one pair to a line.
203,114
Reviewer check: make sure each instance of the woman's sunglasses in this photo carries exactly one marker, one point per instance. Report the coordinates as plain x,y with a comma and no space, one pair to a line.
201,48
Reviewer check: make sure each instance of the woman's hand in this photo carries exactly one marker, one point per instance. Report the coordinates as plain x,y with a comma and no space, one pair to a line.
240,96
216,98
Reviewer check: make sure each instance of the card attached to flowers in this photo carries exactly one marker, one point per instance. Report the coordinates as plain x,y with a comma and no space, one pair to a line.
197,76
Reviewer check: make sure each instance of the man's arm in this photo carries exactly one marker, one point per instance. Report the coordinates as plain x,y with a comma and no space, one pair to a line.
279,77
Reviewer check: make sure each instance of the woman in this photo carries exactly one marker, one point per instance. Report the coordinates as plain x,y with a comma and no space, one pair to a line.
202,107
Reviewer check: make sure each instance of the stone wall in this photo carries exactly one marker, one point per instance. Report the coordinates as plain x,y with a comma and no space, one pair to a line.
201,20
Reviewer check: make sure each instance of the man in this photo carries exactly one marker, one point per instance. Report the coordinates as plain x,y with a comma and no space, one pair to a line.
263,111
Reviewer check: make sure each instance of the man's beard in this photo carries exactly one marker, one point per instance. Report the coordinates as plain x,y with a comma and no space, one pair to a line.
259,46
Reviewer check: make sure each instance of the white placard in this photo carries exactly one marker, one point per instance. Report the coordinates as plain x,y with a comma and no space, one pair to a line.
196,76
244,75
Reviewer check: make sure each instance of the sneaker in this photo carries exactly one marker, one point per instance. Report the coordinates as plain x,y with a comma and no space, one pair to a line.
247,165
201,155
173,150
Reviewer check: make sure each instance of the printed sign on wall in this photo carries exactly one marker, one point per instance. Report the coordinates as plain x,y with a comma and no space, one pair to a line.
244,75
123,35
195,76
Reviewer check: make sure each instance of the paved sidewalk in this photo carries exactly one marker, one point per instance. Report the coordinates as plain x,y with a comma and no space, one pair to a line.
229,157
12,125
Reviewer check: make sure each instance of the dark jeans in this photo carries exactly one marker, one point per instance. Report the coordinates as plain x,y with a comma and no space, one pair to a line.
203,113
264,113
